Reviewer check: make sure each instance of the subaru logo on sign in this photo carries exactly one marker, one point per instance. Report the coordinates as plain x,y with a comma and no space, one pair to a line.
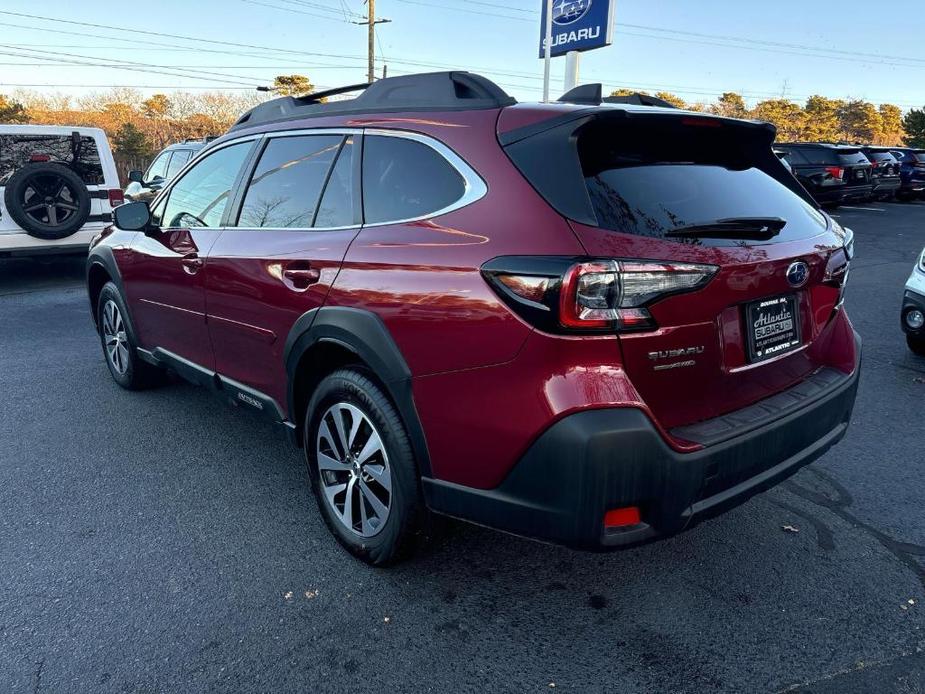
569,11
798,273
578,25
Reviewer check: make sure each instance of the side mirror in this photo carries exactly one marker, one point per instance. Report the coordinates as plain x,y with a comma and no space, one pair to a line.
132,216
136,176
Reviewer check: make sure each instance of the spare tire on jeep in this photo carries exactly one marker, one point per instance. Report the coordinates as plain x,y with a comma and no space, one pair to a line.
48,200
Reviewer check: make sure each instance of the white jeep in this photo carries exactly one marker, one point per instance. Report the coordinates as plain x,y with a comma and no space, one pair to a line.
58,185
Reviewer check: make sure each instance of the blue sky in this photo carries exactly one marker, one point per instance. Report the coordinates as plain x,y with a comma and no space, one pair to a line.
695,49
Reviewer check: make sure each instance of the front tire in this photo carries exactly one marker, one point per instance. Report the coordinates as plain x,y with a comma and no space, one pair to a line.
362,469
119,346
916,344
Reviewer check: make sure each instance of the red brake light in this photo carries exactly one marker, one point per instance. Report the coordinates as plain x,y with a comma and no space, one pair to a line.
116,197
615,292
621,517
562,294
836,171
36,158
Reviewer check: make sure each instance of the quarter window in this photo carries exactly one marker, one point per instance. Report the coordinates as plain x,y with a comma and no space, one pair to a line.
287,183
406,179
338,207
199,198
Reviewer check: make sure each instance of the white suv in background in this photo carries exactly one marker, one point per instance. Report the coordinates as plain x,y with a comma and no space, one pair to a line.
913,310
58,185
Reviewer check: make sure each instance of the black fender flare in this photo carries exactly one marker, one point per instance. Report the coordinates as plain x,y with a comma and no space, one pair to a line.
366,335
102,256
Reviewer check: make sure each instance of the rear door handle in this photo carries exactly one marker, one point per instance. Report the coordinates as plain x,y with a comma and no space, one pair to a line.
191,263
302,277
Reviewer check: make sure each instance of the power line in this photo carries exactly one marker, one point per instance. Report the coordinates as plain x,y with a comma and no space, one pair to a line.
289,9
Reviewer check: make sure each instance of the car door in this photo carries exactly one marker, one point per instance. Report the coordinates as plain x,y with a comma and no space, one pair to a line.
294,219
164,281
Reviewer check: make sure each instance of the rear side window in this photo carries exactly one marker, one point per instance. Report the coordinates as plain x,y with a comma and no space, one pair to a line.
81,155
201,195
406,179
284,190
651,183
177,161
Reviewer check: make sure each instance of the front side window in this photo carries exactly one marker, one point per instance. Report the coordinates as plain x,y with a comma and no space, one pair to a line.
284,190
200,197
406,179
158,167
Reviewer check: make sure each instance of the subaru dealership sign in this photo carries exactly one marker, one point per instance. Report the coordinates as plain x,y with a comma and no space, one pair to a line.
578,25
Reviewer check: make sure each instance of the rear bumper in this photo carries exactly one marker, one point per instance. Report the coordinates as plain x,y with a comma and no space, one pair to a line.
888,186
857,192
598,460
22,244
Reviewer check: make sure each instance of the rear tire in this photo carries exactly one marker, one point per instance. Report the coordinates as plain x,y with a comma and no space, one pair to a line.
120,349
362,469
916,344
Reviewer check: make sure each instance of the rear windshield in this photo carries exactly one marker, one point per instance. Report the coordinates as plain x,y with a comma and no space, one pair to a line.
880,156
852,156
83,156
818,155
651,185
919,155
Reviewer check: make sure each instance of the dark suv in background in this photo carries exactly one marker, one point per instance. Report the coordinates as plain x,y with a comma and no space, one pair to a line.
885,172
912,172
833,174
594,324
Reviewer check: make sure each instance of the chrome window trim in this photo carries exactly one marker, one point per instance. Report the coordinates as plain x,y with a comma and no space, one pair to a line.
474,187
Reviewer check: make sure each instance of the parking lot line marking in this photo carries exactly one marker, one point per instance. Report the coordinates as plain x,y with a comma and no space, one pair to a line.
866,209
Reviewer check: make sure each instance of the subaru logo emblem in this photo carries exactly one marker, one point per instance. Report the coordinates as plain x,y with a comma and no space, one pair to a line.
569,11
798,273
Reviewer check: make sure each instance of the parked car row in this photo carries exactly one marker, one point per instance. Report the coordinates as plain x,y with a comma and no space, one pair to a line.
835,174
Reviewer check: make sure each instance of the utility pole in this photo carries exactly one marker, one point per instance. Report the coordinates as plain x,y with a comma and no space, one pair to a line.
371,23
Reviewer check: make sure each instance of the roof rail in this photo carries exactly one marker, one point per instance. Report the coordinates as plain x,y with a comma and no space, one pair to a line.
433,91
592,95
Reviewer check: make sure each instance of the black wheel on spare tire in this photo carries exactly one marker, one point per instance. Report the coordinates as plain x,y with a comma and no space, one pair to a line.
49,201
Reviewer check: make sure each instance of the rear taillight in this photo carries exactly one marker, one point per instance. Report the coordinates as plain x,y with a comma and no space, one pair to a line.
568,294
116,197
835,171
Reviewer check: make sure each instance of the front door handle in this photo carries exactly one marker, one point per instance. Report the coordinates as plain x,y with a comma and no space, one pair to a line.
191,263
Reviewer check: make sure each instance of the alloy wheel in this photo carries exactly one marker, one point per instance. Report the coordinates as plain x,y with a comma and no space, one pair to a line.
49,199
353,469
115,338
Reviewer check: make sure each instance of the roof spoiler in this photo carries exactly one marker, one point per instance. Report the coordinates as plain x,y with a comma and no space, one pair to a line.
592,95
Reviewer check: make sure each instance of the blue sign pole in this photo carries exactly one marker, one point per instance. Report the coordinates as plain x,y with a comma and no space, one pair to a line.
578,25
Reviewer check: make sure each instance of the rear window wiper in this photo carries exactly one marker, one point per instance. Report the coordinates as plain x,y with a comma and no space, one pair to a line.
760,228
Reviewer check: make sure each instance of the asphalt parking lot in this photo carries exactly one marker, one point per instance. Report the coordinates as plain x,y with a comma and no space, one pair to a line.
165,542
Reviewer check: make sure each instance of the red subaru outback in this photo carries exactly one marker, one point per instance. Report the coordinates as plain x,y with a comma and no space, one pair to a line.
590,323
